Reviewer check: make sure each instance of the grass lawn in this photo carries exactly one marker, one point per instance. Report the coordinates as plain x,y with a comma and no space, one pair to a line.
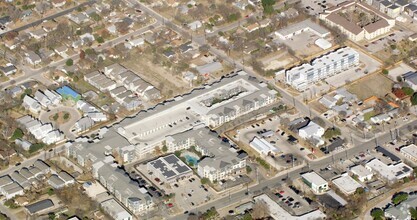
368,115
375,85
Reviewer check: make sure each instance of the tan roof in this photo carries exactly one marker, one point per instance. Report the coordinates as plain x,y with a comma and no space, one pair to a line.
339,20
375,26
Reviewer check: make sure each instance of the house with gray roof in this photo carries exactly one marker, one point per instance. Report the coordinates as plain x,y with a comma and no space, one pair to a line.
8,69
401,211
33,58
411,79
40,206
31,104
116,211
42,99
56,182
12,190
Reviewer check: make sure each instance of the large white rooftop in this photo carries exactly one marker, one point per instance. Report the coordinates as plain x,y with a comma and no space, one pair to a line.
314,178
346,184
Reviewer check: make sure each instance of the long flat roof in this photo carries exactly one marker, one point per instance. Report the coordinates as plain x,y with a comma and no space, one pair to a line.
347,184
313,177
170,166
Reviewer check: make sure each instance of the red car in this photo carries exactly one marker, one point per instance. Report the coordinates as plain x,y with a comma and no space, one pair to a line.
170,205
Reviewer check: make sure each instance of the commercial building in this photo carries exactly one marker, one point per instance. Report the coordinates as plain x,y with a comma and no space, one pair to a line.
361,172
278,213
317,184
300,27
346,184
339,17
263,147
410,152
169,168
335,62
392,172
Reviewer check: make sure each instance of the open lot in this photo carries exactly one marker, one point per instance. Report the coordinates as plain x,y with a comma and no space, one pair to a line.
367,65
278,60
156,75
374,85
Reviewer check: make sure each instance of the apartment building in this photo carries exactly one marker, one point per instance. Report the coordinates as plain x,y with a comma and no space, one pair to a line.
221,160
330,64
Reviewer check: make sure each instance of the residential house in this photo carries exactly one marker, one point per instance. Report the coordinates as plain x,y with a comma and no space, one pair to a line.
56,182
61,51
116,211
151,94
8,70
195,25
42,99
38,34
97,116
31,104
12,190
54,97
411,79
83,124
33,58
24,144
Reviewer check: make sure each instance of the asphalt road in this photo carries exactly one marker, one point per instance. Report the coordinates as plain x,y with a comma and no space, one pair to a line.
59,14
359,144
294,174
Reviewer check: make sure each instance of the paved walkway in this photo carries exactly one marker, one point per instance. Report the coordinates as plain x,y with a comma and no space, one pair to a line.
66,127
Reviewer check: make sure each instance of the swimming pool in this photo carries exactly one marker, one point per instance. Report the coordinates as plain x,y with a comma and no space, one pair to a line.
191,159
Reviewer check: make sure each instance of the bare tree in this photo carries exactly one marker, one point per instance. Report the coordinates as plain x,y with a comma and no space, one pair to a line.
260,210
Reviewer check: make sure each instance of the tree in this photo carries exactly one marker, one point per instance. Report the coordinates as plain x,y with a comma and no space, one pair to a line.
66,116
164,148
204,180
408,91
268,6
100,39
69,62
413,213
413,99
399,197
377,213
385,71
17,134
55,117
260,210
248,169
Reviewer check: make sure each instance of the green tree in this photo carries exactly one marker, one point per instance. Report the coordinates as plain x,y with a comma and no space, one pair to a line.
55,117
408,90
413,99
377,214
51,216
69,62
18,133
385,71
248,169
164,148
50,191
204,180
66,115
399,197
100,40
268,6
413,213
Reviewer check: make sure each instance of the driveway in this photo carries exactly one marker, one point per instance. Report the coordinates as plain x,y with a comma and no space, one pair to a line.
66,127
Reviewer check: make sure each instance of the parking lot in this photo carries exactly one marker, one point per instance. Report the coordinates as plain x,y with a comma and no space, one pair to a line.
381,43
318,6
290,198
278,139
367,65
189,193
